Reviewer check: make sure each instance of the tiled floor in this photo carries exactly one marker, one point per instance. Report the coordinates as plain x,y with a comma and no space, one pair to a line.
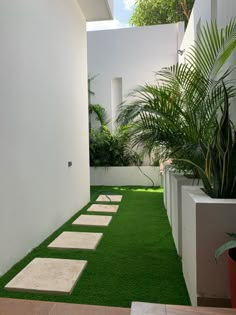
103,208
48,275
76,240
93,220
109,198
24,307
160,309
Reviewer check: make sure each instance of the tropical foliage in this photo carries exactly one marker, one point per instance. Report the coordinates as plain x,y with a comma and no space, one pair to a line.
219,175
107,149
99,113
152,12
178,113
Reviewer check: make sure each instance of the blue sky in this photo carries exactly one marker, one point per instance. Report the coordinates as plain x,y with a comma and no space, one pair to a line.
122,11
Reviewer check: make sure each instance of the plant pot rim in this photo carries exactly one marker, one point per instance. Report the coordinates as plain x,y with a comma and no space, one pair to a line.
199,196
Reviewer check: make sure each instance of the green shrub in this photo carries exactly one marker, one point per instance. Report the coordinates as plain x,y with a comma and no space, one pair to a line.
107,149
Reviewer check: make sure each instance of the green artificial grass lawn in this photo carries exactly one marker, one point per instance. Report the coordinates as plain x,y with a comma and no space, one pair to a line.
135,261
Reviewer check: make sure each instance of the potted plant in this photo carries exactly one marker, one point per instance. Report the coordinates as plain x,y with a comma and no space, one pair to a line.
210,211
219,175
230,246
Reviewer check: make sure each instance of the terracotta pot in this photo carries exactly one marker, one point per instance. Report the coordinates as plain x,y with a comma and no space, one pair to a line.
232,275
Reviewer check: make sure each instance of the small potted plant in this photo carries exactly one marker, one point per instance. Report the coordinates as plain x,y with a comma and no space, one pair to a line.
230,246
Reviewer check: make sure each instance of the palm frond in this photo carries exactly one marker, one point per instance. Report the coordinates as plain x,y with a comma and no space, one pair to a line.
179,112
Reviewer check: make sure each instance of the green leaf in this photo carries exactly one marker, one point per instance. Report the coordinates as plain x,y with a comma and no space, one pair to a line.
228,245
232,235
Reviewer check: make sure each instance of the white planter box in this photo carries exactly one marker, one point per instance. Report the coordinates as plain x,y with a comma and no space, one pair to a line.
204,224
127,175
177,181
167,189
161,180
164,187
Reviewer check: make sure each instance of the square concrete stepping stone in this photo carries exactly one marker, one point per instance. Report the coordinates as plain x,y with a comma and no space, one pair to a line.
103,208
93,220
48,275
110,198
76,240
138,308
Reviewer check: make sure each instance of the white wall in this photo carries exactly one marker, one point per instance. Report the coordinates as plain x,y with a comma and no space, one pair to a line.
206,11
43,121
201,14
125,176
132,54
225,11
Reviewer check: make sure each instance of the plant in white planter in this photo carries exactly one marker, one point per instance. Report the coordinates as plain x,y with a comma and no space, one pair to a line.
219,175
208,213
179,110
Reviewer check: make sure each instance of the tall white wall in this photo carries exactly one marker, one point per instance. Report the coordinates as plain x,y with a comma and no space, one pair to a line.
43,121
205,11
132,55
225,11
201,14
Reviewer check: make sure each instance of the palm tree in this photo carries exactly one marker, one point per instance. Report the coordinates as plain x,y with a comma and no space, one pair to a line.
178,113
99,113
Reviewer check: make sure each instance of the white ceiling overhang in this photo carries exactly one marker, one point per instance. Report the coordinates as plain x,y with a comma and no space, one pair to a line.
96,10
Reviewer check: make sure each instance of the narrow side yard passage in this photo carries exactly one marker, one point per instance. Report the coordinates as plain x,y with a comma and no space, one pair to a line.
135,260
